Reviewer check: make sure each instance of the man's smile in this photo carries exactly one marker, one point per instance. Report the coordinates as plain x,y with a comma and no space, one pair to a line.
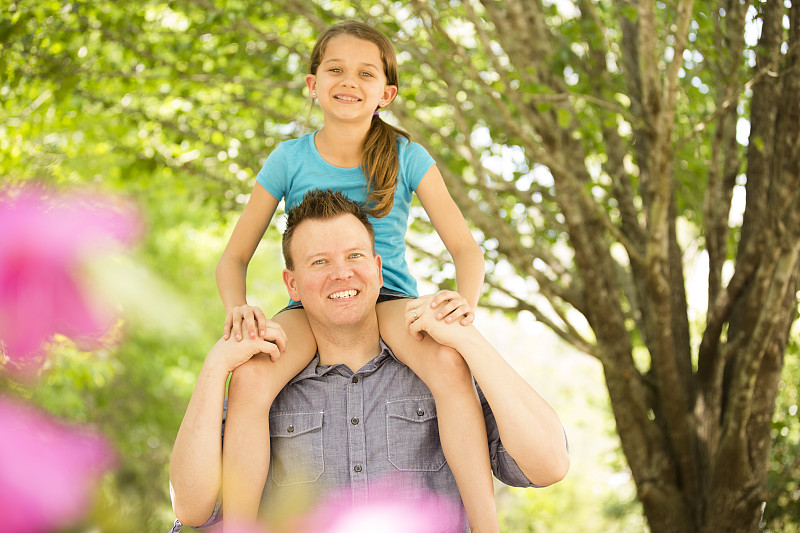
343,294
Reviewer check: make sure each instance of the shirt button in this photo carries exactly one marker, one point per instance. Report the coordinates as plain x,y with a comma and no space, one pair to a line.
420,411
354,421
290,429
357,468
355,379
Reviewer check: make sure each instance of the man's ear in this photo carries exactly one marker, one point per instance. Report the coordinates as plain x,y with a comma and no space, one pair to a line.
291,284
379,263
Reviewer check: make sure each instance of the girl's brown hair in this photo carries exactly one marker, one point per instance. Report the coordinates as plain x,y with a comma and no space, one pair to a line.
379,154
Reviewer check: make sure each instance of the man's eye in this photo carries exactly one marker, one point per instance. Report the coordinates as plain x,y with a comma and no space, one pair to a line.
319,262
356,255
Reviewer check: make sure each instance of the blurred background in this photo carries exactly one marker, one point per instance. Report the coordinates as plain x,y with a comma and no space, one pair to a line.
173,106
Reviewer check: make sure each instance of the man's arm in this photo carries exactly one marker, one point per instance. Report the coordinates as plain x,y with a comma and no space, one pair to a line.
529,428
195,469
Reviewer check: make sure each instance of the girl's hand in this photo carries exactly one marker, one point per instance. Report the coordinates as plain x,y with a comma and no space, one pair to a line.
451,307
242,320
230,354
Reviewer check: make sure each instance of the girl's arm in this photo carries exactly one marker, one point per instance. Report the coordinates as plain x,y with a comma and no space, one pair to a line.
232,266
449,223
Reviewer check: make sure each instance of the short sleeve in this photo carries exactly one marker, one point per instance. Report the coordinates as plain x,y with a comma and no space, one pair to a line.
273,176
504,467
415,162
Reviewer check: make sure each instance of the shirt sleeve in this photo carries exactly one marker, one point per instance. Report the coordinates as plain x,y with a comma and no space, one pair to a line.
414,160
273,175
504,467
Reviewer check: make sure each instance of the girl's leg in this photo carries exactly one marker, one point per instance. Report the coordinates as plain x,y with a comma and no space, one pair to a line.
462,429
253,387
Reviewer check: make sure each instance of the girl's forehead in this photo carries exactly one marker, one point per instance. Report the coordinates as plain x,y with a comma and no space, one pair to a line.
351,45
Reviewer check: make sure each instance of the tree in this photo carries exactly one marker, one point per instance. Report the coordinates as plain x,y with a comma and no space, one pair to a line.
600,149
627,121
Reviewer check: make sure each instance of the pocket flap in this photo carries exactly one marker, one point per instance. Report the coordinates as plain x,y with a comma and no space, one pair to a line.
287,425
412,409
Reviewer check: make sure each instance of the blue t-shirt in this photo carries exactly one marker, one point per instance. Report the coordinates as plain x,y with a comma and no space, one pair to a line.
295,167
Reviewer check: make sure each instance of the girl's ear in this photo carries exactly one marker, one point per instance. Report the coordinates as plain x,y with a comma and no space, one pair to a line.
389,92
311,83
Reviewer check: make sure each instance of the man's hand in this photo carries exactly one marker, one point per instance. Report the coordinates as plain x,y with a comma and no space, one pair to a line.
231,353
242,320
423,318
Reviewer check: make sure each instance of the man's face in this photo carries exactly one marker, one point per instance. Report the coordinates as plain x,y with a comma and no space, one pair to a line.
336,274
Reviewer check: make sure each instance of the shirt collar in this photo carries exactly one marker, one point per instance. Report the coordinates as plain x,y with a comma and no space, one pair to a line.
315,370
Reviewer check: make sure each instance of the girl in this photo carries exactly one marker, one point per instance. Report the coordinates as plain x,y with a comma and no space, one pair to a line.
353,74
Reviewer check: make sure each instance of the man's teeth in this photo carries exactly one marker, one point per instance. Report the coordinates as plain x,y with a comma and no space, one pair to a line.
343,294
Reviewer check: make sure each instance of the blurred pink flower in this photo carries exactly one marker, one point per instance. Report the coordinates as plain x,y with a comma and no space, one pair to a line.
44,238
386,508
47,470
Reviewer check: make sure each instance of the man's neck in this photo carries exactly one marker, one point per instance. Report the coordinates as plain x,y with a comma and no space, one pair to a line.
353,346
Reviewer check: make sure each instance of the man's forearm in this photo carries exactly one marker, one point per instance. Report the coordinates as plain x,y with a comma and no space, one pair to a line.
196,464
529,428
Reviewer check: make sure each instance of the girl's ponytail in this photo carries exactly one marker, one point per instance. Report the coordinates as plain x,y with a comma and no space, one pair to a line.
381,164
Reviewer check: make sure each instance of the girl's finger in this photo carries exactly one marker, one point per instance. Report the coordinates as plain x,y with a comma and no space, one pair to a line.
250,325
237,328
262,322
226,329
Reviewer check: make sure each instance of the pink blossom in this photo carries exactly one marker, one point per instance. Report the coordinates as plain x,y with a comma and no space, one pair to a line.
45,238
47,470
387,508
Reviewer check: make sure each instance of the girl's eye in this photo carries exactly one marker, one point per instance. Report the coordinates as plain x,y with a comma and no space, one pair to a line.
334,69
319,262
366,74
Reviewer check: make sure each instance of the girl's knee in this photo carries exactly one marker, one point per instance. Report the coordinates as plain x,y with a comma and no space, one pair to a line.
450,368
252,380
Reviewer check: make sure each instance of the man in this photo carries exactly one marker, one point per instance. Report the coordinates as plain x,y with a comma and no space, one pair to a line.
356,417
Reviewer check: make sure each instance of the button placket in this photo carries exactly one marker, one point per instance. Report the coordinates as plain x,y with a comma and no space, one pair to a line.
356,437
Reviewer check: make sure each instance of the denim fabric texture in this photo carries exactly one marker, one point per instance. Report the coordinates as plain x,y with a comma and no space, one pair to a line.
335,429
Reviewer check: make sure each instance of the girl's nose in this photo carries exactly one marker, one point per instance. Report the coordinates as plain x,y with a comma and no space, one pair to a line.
351,80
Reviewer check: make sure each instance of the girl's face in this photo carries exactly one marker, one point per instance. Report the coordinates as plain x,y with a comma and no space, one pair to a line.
350,83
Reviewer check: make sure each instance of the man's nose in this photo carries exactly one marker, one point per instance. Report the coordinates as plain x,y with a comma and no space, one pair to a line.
342,270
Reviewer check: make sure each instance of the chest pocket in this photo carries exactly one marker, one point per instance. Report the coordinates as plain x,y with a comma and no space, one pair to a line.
413,434
296,441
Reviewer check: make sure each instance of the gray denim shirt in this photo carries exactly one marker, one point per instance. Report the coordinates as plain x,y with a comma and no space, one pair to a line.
331,428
